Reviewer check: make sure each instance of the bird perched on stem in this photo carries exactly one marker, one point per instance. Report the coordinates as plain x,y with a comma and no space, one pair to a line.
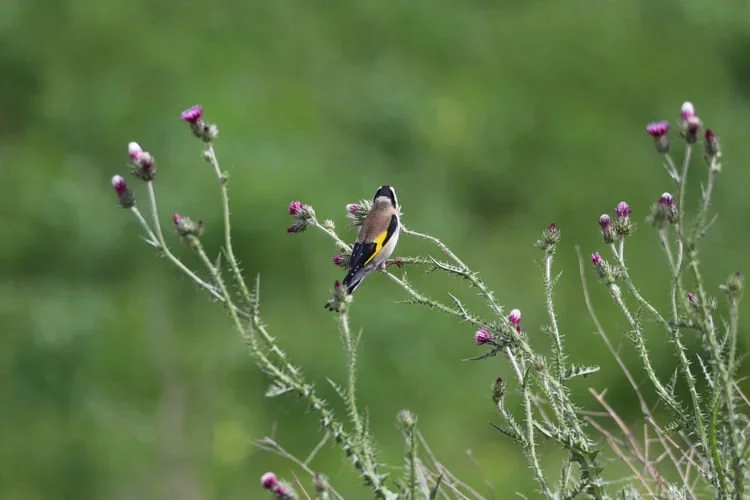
376,240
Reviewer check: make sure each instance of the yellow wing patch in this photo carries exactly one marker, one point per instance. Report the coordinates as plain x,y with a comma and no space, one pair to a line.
378,246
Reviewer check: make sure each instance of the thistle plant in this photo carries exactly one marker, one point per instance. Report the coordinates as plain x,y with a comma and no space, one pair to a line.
700,451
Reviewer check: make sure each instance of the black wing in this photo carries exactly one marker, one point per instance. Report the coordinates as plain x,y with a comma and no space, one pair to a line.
363,253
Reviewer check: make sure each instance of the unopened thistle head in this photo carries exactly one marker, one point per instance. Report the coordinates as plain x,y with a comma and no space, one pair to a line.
482,336
550,237
623,225
125,197
663,211
608,234
603,271
711,145
302,214
658,130
142,164
359,211
186,227
514,318
691,124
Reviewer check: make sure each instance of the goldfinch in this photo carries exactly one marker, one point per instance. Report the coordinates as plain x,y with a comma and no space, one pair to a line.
376,240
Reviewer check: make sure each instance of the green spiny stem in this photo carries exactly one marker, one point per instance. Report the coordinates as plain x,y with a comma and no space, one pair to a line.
160,243
362,439
530,441
549,284
681,352
229,252
291,377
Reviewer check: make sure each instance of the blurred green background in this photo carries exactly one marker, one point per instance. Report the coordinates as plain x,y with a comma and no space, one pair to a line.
120,380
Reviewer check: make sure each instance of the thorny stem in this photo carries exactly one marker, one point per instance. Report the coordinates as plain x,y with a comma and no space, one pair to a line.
228,251
361,437
530,441
681,185
548,293
676,337
158,241
637,337
662,234
290,377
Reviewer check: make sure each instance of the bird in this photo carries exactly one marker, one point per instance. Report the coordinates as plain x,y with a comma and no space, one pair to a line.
376,240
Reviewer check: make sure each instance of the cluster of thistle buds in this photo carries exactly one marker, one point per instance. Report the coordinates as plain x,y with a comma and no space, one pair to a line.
201,129
482,336
620,227
302,214
142,164
280,491
690,125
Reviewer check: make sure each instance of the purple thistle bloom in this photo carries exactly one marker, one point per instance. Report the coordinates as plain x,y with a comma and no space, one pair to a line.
192,115
622,210
687,110
596,258
657,129
118,183
482,337
667,200
605,221
268,480
515,317
295,208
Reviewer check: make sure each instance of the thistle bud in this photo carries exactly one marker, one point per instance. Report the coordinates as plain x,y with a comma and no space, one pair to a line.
550,237
514,318
608,234
125,196
339,297
200,128
734,285
341,260
602,268
663,211
498,390
482,336
623,226
711,145
359,211
187,227
658,130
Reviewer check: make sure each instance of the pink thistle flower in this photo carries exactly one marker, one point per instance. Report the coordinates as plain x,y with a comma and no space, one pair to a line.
125,196
177,219
269,480
340,260
666,200
709,135
482,337
352,208
605,221
295,208
596,258
515,317
657,129
134,151
622,210
118,183
192,115
692,298
687,110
